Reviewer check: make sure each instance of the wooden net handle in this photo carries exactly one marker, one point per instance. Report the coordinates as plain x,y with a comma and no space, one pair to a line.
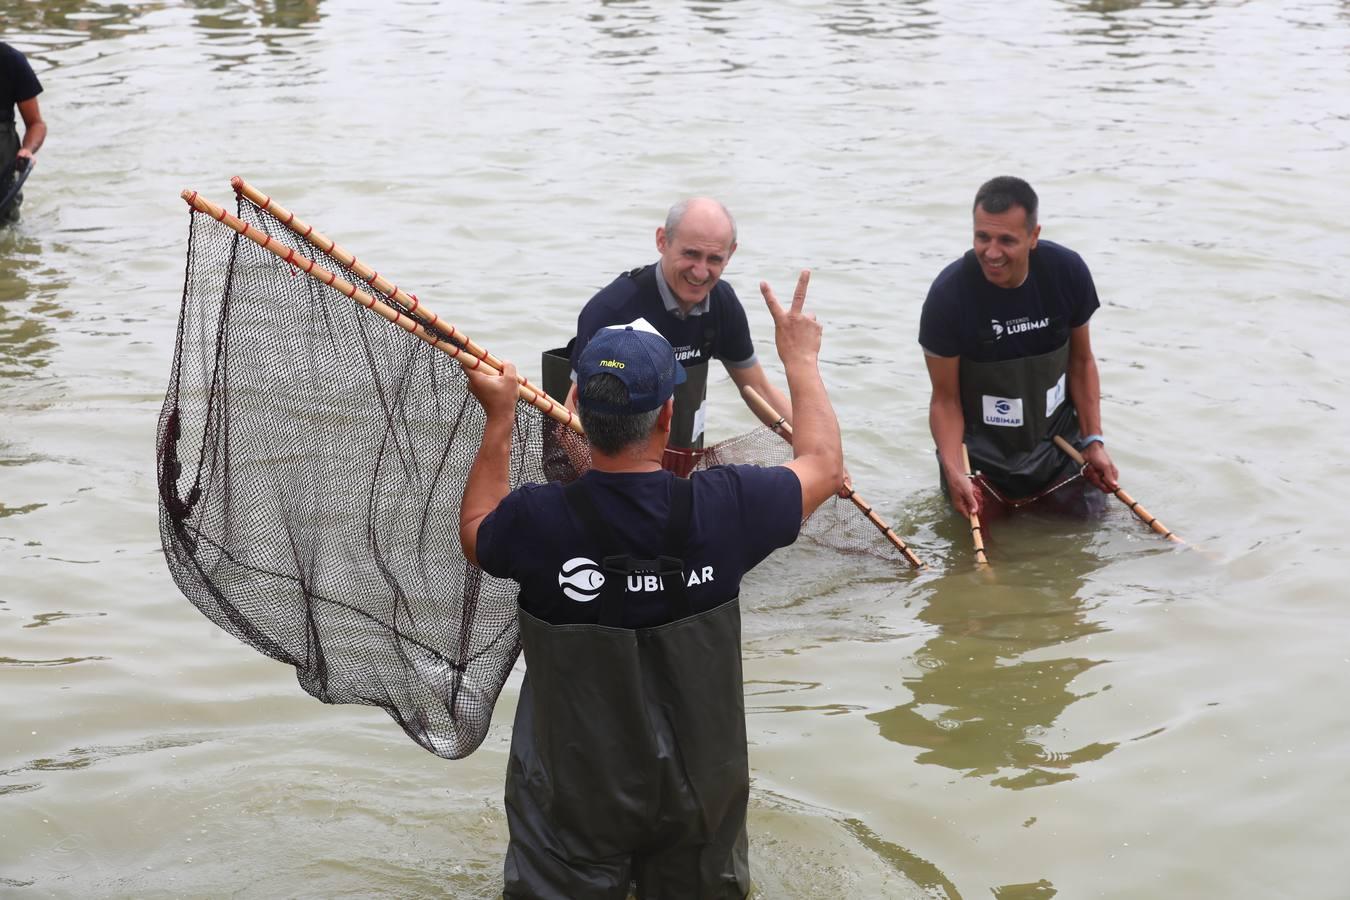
765,412
1144,515
409,302
976,532
466,359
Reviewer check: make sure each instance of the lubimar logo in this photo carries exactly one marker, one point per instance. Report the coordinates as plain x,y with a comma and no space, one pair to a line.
581,580
1017,326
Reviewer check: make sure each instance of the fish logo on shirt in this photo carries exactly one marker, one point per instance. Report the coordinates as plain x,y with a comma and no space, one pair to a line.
581,579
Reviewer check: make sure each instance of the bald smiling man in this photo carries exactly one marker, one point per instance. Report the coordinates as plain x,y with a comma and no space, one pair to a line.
683,298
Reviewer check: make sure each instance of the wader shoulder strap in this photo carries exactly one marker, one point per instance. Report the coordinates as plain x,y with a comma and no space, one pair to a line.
618,565
643,273
709,334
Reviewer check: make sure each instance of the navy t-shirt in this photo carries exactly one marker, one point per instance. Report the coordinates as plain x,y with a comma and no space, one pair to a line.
635,295
17,80
739,515
964,315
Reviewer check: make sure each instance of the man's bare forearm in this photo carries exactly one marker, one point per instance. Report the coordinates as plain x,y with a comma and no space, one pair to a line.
816,429
948,425
1085,389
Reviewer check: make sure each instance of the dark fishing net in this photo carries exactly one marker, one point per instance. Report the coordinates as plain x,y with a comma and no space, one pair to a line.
312,457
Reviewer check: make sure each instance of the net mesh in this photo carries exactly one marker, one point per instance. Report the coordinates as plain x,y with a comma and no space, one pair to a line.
311,461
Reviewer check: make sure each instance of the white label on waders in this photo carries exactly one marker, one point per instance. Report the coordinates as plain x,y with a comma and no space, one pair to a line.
1004,411
700,419
1054,397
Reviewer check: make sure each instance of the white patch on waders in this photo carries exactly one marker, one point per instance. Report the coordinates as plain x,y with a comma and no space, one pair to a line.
1003,411
1054,397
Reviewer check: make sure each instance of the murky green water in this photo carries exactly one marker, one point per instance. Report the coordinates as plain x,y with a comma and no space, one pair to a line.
1105,717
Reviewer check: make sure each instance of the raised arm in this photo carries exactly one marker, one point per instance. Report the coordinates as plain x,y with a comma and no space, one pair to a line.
490,478
817,453
948,425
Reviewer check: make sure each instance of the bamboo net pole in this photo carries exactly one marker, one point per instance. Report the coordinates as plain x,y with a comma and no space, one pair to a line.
976,532
460,354
770,417
1144,515
327,245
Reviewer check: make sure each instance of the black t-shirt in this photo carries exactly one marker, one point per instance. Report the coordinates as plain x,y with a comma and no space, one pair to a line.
636,296
739,515
964,315
17,80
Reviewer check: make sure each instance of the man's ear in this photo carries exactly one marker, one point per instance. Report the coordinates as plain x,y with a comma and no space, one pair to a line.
660,239
667,414
1035,235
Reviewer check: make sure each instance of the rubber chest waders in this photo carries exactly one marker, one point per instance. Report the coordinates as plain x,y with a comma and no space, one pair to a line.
9,151
1013,409
628,758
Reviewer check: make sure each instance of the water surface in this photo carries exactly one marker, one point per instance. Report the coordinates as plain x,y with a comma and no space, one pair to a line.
1106,717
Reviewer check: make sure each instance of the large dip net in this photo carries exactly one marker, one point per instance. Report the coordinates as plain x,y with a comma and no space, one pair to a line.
312,450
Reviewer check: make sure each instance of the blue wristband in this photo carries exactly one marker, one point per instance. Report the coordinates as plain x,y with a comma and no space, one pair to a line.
1088,439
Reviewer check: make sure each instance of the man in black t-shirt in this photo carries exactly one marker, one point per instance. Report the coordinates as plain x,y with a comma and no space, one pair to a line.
19,87
628,755
1005,336
682,297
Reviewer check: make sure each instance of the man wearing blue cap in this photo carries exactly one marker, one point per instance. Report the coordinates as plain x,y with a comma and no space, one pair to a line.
628,756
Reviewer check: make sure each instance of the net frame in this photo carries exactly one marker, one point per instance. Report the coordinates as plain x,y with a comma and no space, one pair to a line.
311,461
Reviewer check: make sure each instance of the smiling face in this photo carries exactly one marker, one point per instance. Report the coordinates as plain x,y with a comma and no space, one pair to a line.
1003,245
695,252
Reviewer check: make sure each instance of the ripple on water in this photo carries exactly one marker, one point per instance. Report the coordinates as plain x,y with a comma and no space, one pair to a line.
84,757
42,663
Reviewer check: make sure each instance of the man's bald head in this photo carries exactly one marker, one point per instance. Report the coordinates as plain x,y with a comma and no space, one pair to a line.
695,244
706,212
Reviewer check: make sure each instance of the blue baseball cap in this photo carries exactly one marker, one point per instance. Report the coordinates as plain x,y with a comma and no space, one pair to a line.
643,360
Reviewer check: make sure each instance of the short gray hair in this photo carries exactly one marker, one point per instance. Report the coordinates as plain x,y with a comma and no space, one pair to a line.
676,215
611,433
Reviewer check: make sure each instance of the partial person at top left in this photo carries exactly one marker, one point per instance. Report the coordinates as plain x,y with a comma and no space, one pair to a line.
19,87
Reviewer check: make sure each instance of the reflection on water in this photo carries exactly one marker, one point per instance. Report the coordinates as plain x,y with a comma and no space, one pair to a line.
1121,21
986,695
229,15
42,619
1034,890
234,29
899,21
44,29
289,13
922,872
19,510
28,307
54,25
786,859
718,16
84,757
46,663
96,19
